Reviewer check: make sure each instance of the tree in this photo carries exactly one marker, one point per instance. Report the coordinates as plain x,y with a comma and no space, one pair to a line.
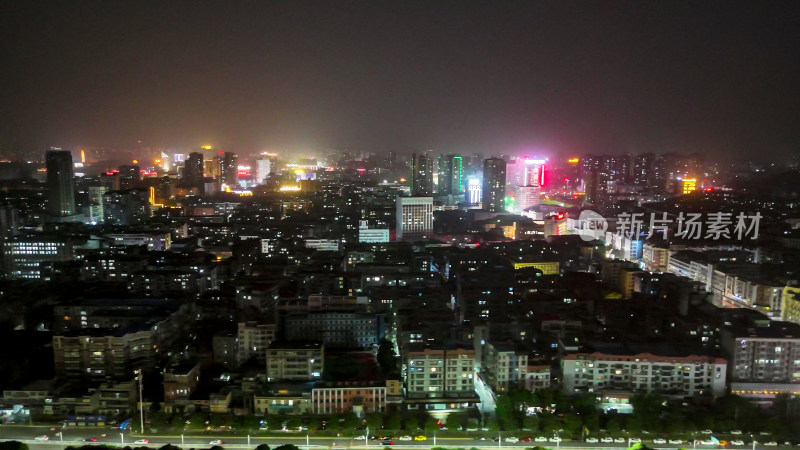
13,445
286,447
374,421
431,424
387,360
262,447
572,424
531,423
293,423
393,422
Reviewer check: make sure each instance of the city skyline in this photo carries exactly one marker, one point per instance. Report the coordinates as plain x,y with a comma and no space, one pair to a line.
546,79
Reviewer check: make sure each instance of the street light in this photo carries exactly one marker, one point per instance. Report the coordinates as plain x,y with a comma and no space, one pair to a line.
139,377
122,438
61,435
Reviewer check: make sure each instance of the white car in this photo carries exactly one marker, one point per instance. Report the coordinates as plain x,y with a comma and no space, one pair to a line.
42,438
675,441
217,442
659,441
142,441
512,440
737,442
360,437
592,440
607,440
619,440
635,441
555,439
771,443
540,439
708,442
405,438
736,432
706,431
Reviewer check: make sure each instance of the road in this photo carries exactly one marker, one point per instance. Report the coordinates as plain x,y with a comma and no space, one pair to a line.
78,436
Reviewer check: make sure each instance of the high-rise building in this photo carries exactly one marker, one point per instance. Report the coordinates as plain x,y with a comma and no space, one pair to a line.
533,172
494,185
528,197
193,169
414,217
451,175
643,169
421,175
473,191
263,168
60,184
230,169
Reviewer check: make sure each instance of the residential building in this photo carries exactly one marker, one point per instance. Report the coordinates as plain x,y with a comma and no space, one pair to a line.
295,361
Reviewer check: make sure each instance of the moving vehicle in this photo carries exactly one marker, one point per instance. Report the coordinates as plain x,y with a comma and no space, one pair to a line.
619,440
540,439
360,437
675,441
607,440
737,442
555,439
142,441
92,439
42,438
512,440
387,443
405,438
420,438
217,442
635,440
592,440
659,441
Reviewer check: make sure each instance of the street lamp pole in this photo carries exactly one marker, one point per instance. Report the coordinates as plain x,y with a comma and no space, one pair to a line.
139,377
122,438
499,440
248,440
366,438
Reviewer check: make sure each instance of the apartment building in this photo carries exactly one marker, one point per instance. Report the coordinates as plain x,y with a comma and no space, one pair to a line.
254,338
643,373
504,365
295,361
358,397
764,360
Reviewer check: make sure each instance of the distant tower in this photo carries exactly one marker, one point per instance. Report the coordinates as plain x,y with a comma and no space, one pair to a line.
421,175
494,185
263,168
451,175
414,217
60,184
230,169
193,169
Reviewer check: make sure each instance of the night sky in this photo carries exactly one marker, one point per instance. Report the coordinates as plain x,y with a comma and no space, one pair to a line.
543,78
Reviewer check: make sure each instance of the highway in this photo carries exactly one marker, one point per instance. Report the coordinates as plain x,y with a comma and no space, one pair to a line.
62,437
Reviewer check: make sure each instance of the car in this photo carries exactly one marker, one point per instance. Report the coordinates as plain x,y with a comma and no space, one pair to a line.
635,440
659,441
706,431
42,438
592,440
405,438
708,442
675,441
771,443
217,442
607,440
555,439
142,441
420,438
387,443
737,442
512,440
765,433
619,440
480,438
360,437
443,428
386,438
540,439
90,440
736,432
263,428
526,439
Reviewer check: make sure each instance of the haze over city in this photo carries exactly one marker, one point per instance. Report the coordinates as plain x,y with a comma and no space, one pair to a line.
491,77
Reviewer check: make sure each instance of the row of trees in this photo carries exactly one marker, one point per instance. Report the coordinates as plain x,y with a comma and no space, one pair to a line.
652,413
